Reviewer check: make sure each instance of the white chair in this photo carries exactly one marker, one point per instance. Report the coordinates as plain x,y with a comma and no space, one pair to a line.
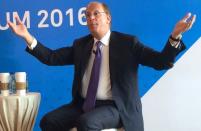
119,129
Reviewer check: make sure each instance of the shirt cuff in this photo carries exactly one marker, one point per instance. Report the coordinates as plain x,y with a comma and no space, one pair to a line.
175,42
33,44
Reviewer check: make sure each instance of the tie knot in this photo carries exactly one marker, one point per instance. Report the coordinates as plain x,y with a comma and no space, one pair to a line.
98,44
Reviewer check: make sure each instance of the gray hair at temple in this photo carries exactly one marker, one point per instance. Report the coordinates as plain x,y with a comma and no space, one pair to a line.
106,9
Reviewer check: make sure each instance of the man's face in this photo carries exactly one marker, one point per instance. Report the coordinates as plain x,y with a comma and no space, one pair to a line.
98,20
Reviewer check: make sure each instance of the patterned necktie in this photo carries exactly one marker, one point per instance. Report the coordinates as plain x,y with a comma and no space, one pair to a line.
90,99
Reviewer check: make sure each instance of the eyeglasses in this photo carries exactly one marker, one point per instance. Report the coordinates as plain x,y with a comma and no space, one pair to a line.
95,14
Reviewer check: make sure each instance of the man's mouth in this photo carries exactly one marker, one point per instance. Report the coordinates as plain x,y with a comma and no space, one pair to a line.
93,23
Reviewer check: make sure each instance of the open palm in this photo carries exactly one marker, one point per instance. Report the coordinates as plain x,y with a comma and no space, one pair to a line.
18,28
183,25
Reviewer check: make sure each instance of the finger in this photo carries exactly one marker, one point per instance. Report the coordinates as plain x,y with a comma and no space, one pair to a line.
18,19
186,17
191,22
10,24
193,19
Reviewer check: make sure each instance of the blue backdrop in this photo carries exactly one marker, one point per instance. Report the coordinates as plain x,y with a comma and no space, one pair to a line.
58,23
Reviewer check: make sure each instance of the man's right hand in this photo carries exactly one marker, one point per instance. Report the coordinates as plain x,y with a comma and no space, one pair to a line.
20,29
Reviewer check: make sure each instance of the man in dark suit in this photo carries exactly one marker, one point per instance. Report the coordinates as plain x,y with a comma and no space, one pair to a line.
117,100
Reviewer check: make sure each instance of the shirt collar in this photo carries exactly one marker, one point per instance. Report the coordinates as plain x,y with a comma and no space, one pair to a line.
105,39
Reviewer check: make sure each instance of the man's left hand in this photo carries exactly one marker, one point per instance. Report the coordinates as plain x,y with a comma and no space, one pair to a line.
183,25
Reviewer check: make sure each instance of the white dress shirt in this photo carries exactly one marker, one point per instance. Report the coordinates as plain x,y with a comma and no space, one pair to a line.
104,91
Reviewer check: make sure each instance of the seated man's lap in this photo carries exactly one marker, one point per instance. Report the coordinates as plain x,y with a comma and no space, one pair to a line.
102,117
61,118
71,115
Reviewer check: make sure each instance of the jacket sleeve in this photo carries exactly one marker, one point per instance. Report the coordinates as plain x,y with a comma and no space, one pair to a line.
157,60
61,56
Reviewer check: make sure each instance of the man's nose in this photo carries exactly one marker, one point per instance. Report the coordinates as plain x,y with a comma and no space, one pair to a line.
91,17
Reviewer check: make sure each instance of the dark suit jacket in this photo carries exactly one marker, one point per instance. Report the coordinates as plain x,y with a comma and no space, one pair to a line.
125,55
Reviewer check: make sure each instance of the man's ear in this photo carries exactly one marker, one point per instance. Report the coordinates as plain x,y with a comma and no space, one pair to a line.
109,19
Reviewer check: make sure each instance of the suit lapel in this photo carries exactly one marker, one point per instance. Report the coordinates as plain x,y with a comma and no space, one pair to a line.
86,55
113,52
114,48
